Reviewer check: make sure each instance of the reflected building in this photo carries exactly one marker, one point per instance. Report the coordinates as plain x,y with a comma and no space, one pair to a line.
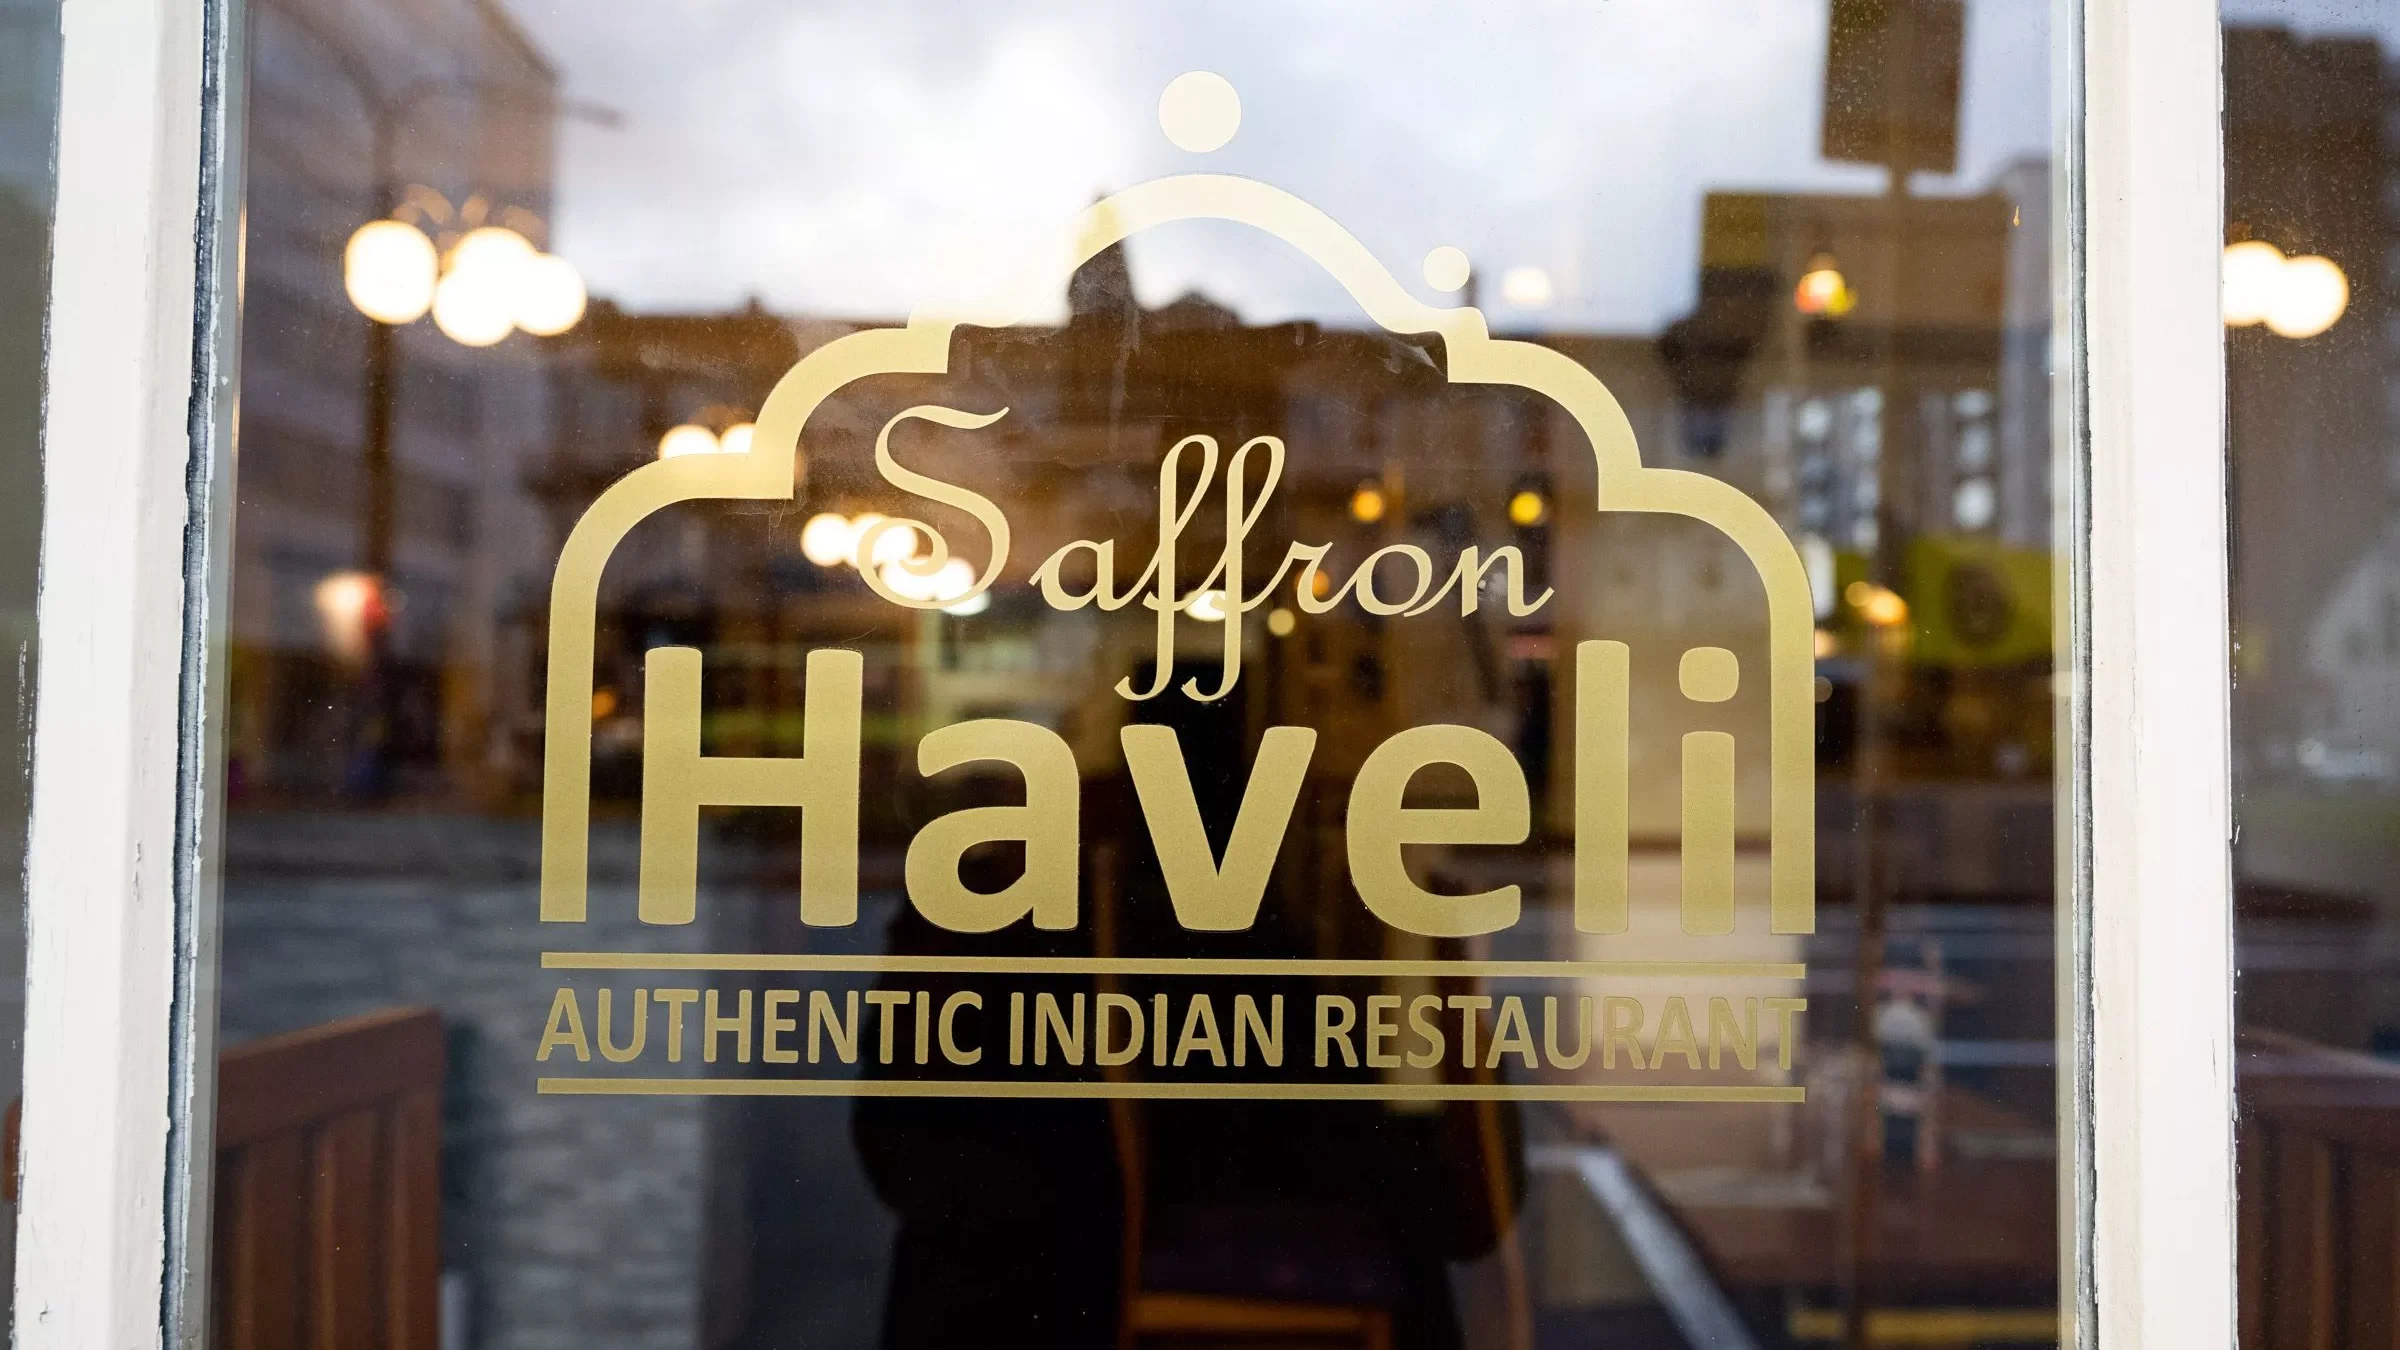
2312,423
456,104
1898,424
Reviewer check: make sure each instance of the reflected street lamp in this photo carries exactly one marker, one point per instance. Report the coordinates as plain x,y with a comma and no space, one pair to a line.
2295,297
490,282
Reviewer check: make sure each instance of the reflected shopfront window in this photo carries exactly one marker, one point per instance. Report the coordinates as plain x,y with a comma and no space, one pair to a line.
1067,676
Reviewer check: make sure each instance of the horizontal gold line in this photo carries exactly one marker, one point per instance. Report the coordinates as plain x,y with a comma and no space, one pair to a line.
1154,965
1348,1092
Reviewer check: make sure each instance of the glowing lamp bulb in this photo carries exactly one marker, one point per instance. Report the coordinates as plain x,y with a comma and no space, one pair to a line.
550,295
826,539
471,310
2251,272
389,269
687,439
1367,504
1823,291
2309,296
494,250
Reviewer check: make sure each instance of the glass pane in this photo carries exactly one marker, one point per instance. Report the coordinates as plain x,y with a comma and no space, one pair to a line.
1069,674
29,37
2316,623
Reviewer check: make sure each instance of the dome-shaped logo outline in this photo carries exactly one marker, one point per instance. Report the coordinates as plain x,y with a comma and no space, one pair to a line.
922,347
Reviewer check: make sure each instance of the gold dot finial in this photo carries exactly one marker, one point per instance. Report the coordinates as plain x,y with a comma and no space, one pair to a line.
1199,111
1447,268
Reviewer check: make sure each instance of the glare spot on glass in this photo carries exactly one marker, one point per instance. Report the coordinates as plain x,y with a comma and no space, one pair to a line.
1207,607
389,268
688,439
1527,288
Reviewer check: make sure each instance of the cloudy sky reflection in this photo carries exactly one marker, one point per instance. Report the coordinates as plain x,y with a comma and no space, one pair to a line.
845,159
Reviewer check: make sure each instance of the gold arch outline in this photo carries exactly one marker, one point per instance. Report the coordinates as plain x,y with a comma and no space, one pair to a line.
922,347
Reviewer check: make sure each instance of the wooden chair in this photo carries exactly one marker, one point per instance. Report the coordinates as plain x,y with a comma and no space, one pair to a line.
1151,1314
328,1187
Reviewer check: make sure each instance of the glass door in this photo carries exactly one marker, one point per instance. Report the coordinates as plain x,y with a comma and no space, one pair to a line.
1054,674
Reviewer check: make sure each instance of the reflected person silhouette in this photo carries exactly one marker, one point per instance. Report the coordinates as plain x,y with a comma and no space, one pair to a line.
1049,1222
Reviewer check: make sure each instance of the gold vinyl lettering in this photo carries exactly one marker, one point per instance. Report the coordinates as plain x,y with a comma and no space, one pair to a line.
1335,1018
1621,1020
712,1025
1603,736
1468,1005
1424,1018
1209,896
566,1028
1199,1033
1383,1024
1583,1025
1675,1036
951,1049
842,1030
1784,1010
1707,832
1411,554
641,1027
1511,1035
1379,826
677,780
886,1021
675,1000
772,1025
1049,1019
995,524
1743,1035
1128,1011
1249,1026
1046,823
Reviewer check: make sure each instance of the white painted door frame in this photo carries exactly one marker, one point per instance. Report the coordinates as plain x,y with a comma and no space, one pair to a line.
2153,861
136,444
137,458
